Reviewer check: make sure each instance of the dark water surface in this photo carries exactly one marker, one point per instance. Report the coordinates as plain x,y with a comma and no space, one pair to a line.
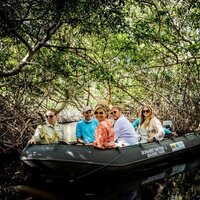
178,181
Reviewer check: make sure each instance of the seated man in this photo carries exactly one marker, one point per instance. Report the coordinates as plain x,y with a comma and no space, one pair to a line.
125,134
50,132
85,128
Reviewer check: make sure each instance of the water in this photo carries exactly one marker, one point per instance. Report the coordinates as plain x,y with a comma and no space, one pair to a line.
179,181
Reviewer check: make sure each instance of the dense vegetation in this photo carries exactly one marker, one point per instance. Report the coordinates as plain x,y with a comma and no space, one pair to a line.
71,53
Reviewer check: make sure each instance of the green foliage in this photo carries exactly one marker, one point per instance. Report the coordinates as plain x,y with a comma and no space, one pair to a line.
83,52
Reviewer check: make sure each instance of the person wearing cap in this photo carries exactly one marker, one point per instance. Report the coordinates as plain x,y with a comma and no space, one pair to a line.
104,134
85,128
49,132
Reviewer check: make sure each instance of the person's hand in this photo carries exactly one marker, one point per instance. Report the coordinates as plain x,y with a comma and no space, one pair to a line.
150,139
80,141
88,144
32,141
174,134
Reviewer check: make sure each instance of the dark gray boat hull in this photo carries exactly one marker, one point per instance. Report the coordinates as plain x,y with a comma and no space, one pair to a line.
79,161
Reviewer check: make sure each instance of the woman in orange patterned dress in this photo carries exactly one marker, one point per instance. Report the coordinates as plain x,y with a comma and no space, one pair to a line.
104,134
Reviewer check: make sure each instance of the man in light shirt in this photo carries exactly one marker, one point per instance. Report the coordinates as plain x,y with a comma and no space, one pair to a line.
49,132
125,134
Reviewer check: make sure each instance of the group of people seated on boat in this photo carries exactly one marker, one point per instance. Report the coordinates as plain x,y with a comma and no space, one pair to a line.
109,128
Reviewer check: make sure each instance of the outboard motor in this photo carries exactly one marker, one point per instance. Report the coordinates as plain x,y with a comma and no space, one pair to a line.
168,125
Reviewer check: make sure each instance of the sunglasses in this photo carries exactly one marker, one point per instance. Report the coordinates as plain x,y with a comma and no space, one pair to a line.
49,116
146,111
96,113
114,112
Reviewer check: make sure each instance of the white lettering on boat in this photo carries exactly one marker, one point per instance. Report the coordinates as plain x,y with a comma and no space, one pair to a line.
153,152
177,146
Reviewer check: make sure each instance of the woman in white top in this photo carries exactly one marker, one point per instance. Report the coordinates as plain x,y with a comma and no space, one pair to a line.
150,127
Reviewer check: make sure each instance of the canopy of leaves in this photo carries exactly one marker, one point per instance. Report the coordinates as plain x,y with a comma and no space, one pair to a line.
72,53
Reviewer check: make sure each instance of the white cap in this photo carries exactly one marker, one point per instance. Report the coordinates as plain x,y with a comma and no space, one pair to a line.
86,108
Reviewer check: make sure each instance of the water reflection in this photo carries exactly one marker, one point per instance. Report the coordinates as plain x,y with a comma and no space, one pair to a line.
174,182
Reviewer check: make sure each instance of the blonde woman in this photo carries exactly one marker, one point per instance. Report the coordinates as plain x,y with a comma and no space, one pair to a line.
104,134
150,127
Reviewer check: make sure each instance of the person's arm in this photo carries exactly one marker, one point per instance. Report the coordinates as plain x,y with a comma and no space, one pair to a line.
117,130
136,123
79,140
167,131
160,135
156,124
174,134
36,137
78,134
32,141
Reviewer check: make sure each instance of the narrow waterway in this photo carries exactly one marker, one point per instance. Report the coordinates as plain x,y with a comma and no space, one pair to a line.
179,181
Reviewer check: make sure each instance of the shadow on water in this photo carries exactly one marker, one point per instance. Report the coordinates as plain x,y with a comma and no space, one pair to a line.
179,180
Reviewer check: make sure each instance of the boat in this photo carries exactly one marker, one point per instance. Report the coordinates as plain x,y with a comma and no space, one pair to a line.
77,161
